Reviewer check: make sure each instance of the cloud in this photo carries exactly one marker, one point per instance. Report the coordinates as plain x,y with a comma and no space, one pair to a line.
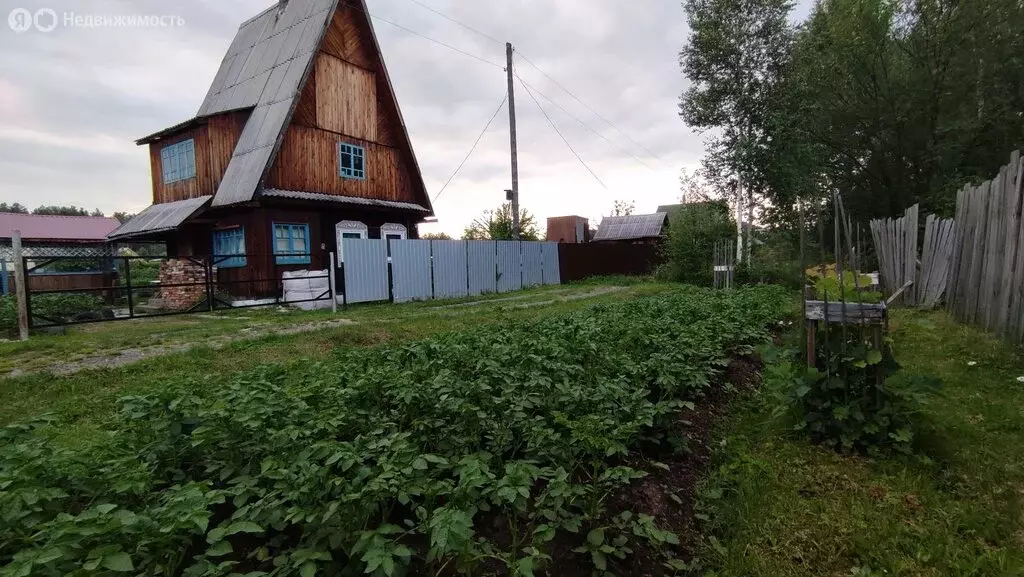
73,100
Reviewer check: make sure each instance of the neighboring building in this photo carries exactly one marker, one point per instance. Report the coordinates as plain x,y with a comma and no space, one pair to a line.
299,142
568,229
57,236
45,231
636,228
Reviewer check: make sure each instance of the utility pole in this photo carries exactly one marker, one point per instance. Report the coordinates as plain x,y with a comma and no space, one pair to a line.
512,137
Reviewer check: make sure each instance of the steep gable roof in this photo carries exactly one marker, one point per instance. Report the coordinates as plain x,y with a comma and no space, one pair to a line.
266,68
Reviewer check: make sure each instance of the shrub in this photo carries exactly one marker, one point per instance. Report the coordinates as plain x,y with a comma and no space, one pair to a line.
856,399
693,231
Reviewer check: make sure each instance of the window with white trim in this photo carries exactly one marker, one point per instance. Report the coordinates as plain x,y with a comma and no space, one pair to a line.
391,231
178,161
349,229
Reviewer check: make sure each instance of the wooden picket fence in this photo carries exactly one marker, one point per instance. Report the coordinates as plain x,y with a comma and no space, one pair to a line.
986,281
907,278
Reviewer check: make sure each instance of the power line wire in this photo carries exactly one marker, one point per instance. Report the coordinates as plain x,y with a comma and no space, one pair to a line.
584,124
588,107
470,153
559,132
466,26
425,37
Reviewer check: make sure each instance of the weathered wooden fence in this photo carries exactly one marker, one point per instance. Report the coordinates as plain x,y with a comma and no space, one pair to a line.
986,282
911,276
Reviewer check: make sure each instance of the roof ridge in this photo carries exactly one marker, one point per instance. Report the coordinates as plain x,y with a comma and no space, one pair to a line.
22,214
258,16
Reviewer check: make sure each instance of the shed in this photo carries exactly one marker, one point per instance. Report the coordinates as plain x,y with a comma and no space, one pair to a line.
633,228
57,236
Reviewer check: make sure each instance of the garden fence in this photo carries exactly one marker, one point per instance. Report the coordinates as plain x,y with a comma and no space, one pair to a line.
409,270
986,282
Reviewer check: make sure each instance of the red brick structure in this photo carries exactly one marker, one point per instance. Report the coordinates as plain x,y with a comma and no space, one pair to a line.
568,229
178,272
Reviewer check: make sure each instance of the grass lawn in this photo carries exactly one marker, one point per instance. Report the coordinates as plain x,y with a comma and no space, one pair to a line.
777,506
83,399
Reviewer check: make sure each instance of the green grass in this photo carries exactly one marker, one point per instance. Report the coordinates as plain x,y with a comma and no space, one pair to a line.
107,338
778,506
84,399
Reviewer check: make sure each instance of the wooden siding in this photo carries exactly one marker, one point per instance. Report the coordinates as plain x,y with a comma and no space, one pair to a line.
308,161
346,98
347,40
214,144
305,110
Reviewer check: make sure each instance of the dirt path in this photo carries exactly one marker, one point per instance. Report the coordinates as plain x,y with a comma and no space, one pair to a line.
134,355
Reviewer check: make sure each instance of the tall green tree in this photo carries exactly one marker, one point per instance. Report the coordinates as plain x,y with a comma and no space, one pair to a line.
497,225
895,102
732,60
66,211
14,207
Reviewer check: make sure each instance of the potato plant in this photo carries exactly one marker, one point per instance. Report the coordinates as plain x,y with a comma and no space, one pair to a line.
465,453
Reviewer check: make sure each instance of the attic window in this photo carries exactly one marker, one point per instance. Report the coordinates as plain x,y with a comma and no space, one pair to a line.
178,161
351,161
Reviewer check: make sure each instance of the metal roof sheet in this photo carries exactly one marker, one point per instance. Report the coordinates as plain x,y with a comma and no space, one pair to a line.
299,195
631,227
64,228
264,68
160,218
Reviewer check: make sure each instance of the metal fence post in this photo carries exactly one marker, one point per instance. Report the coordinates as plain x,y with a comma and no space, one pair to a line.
3,277
128,285
330,280
21,285
208,271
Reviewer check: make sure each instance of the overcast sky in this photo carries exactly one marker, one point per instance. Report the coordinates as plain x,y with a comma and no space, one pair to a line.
72,100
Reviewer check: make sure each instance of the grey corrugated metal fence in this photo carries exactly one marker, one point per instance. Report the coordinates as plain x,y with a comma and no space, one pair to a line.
366,270
552,272
451,268
410,270
986,281
533,267
423,269
510,266
483,262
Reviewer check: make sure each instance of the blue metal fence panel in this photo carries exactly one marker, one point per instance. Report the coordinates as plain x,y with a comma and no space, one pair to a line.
451,274
533,274
366,270
410,270
483,266
549,254
3,277
510,265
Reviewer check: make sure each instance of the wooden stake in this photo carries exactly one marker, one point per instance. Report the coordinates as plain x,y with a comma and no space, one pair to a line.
20,282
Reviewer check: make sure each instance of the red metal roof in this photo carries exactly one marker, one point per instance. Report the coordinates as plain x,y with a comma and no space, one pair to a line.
64,228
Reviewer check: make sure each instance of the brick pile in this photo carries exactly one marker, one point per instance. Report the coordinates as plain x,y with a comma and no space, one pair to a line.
174,272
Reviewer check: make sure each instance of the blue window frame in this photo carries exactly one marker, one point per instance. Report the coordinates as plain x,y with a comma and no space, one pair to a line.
291,243
351,161
227,244
178,161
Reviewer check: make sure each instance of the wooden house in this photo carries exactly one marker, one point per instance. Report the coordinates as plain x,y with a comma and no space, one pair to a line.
299,142
633,229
